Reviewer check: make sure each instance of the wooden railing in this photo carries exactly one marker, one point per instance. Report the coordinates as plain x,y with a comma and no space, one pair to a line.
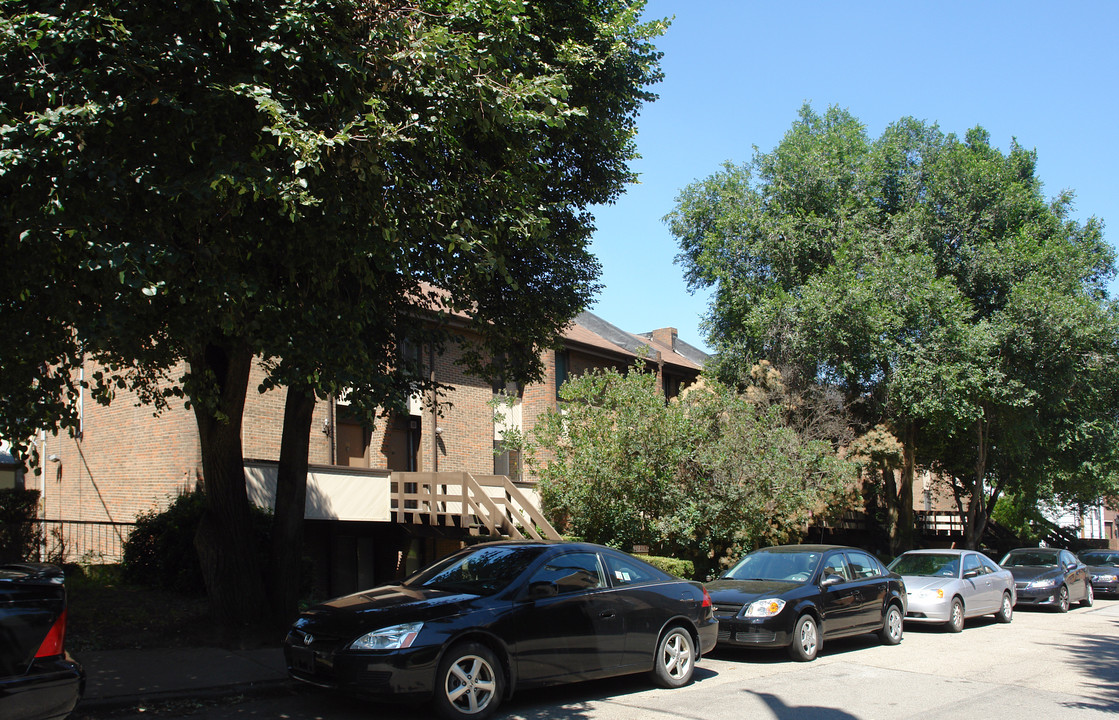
459,499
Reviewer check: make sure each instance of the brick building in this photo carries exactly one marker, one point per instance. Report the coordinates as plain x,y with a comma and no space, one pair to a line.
124,460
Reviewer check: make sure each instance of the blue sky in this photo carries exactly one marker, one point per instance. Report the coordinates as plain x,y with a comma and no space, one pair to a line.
736,74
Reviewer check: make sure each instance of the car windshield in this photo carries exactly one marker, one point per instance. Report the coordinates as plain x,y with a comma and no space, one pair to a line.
1030,558
791,566
1100,558
482,571
927,564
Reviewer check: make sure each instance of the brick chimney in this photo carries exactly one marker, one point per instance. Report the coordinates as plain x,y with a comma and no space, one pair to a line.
666,336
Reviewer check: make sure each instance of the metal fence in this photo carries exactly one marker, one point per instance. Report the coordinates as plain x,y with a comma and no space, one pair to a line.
82,541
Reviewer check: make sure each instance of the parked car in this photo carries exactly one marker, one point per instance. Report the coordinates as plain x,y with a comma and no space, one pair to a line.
473,628
1049,577
1104,568
798,596
948,586
38,679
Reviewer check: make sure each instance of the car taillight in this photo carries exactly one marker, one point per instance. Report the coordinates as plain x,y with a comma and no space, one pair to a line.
706,599
52,643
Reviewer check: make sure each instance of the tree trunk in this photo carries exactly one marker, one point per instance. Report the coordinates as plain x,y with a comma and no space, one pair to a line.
906,525
227,548
975,521
286,569
890,491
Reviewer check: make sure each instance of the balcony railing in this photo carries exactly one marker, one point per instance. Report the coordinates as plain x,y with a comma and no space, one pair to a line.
492,504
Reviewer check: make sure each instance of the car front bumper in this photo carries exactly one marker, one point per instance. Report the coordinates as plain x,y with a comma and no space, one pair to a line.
1102,587
754,632
928,610
406,675
1039,597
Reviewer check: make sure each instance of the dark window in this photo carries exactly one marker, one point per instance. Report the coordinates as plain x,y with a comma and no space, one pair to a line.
624,572
573,572
862,565
834,565
561,369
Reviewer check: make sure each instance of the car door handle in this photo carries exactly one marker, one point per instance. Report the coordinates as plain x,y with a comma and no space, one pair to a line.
607,614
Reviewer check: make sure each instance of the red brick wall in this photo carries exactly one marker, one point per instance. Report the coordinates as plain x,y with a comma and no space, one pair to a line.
126,462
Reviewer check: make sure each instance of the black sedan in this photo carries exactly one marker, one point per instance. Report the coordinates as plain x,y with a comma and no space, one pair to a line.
38,680
1104,567
474,627
1049,577
797,596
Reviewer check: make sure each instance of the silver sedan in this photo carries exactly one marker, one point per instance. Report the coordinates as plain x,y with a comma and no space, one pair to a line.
948,586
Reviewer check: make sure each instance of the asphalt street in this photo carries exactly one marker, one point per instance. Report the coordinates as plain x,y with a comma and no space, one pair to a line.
1041,665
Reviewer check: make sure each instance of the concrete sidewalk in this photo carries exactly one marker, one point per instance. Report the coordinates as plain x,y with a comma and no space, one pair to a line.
125,678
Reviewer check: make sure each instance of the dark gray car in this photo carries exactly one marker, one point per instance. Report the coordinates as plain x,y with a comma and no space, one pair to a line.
1049,577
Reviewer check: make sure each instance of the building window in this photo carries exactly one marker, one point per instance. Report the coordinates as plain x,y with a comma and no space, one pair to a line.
561,369
506,461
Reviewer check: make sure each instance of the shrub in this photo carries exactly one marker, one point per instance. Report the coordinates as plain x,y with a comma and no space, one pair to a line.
159,553
675,566
20,535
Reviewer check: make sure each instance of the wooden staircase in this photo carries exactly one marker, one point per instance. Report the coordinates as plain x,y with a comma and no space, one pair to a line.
486,504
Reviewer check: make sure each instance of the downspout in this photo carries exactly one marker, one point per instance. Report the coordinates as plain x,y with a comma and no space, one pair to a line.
434,410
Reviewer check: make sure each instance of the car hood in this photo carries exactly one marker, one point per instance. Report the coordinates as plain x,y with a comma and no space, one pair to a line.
1034,573
747,591
384,606
913,583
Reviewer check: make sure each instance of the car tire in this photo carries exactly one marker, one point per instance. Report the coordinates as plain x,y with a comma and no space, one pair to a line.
469,683
955,622
1089,596
892,622
1006,612
1062,599
675,660
806,639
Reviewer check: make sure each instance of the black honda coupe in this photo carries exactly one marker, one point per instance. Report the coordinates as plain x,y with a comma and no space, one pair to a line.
472,628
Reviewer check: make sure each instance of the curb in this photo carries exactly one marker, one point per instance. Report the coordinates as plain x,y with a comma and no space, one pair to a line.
260,688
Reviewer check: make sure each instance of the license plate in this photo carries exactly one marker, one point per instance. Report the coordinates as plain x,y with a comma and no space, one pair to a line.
303,660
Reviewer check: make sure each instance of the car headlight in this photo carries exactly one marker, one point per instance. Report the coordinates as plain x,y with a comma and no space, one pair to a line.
929,594
1044,583
765,608
396,637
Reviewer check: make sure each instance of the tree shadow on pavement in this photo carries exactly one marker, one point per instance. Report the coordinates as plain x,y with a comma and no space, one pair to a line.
1098,657
781,711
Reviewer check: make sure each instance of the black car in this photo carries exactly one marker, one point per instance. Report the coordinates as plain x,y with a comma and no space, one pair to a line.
38,679
797,596
1104,568
474,627
1049,577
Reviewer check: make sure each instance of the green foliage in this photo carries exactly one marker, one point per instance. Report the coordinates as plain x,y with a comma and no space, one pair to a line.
673,566
160,554
924,276
1020,516
20,536
699,478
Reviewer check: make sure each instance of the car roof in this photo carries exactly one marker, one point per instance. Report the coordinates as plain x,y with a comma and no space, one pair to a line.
938,551
806,548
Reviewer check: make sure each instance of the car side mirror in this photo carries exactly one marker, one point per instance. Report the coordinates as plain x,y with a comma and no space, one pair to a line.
542,589
971,574
830,579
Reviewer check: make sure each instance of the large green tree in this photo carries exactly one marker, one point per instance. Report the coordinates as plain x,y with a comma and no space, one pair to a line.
925,276
710,475
310,184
